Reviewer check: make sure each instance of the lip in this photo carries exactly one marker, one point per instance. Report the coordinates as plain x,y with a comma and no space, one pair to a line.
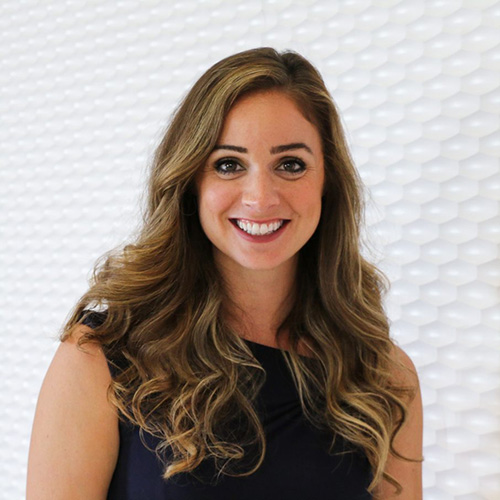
258,221
259,238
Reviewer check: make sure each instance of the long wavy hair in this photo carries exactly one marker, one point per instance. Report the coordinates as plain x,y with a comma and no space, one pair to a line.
181,373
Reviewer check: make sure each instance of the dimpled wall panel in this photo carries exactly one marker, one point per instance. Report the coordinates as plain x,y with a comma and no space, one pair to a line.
86,88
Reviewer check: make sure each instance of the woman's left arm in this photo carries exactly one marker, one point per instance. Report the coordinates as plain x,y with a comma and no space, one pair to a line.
408,442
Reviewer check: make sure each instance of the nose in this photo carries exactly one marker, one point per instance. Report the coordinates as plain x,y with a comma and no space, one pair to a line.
260,191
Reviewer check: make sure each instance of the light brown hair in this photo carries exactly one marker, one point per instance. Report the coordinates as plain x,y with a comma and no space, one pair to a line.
181,373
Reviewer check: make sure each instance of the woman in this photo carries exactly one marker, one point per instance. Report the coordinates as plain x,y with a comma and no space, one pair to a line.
241,349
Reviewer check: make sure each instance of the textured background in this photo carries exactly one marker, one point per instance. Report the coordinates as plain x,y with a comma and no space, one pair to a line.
86,87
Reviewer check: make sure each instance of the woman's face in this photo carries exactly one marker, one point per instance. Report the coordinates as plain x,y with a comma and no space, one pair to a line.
259,193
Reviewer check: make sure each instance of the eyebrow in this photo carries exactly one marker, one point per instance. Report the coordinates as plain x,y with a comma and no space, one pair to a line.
290,147
274,150
238,149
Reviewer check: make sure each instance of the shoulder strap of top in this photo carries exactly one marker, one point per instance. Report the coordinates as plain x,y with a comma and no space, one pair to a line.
92,319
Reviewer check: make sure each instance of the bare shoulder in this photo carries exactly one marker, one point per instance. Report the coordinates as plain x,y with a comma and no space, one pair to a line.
408,441
88,356
74,441
404,371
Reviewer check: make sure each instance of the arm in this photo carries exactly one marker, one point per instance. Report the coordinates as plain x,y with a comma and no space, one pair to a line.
74,442
408,442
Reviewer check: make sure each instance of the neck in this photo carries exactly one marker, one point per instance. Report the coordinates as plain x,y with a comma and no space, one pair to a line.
259,301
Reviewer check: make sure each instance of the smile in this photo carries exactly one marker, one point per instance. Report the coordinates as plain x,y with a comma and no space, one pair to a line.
255,229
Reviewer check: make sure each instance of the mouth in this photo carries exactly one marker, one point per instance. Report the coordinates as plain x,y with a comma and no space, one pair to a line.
257,229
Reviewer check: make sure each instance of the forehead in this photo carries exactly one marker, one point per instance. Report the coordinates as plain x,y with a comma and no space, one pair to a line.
270,116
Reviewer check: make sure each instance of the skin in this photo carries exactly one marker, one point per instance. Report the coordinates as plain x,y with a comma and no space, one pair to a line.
408,441
75,441
260,276
262,182
276,174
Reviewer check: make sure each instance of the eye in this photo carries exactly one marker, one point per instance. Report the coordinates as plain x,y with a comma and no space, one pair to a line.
292,166
226,166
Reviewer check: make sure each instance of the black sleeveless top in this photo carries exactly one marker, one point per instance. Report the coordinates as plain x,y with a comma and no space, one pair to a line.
297,464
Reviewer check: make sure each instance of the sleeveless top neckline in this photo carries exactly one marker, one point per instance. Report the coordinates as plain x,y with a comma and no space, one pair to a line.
298,463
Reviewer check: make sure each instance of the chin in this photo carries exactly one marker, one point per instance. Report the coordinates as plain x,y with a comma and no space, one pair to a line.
267,264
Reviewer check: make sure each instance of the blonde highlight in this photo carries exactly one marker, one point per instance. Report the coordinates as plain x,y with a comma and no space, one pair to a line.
181,374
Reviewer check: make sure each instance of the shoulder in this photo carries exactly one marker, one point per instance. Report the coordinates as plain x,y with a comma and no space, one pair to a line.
85,366
69,347
87,355
404,372
75,430
405,465
403,358
404,375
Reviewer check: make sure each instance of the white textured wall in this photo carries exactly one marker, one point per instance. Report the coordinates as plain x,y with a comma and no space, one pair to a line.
85,90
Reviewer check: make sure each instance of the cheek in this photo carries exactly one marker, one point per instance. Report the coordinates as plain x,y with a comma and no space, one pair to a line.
313,195
213,200
314,206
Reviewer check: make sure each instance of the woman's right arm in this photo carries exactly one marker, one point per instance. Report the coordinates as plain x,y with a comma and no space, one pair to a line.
74,442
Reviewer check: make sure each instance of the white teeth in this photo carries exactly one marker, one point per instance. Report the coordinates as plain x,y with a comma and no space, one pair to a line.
259,229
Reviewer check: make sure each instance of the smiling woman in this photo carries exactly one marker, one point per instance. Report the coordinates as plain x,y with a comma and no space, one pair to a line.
260,194
239,347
